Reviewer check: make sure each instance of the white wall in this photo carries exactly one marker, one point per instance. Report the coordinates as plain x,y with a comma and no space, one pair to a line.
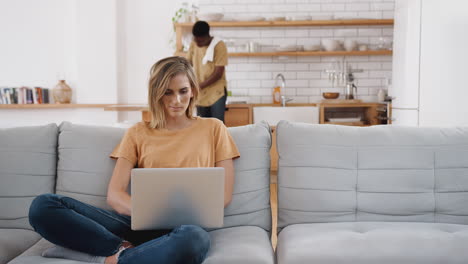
32,46
444,56
104,49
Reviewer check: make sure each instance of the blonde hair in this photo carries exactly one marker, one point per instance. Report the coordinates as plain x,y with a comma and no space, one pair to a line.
161,74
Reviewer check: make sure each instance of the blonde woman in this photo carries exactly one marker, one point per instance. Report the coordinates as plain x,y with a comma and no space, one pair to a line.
173,138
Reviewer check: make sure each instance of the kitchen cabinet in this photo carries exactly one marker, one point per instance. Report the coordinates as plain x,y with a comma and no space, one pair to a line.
184,28
355,113
238,115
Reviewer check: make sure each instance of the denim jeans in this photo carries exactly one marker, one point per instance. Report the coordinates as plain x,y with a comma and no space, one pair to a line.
72,224
215,110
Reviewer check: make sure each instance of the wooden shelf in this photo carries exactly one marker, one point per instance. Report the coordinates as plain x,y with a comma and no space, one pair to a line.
311,23
360,123
306,53
51,106
181,27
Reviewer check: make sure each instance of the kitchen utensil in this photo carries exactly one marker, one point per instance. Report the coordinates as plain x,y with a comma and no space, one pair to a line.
350,91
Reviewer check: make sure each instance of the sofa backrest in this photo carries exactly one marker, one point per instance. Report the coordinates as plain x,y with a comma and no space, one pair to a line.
333,173
84,169
27,169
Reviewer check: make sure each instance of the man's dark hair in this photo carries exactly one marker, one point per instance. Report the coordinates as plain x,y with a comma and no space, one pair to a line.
201,29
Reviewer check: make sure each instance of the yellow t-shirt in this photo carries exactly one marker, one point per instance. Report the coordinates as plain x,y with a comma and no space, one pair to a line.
210,94
202,144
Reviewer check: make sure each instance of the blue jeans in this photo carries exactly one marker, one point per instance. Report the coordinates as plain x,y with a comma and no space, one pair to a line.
72,224
215,110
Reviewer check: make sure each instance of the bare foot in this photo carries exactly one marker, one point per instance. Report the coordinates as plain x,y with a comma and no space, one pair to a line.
114,258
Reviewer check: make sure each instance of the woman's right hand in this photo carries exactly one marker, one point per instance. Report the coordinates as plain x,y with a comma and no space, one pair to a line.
117,195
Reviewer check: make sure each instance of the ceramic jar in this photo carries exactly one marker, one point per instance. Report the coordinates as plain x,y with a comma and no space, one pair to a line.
62,93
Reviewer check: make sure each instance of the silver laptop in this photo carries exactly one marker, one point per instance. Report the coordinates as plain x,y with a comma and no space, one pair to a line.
165,198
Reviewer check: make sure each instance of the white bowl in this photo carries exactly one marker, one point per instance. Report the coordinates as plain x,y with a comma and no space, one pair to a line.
210,16
312,47
330,44
350,44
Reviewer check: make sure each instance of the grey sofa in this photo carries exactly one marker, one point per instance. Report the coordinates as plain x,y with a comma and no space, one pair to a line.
372,195
74,160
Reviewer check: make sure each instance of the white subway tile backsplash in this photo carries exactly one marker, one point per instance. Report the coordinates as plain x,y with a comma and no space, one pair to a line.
287,75
284,8
299,33
268,83
236,75
305,76
260,91
382,6
308,91
309,75
272,33
387,66
368,82
348,32
319,83
364,32
297,83
369,65
333,7
248,83
272,67
259,75
308,59
308,7
380,74
320,32
388,14
289,91
357,7
296,66
267,99
370,15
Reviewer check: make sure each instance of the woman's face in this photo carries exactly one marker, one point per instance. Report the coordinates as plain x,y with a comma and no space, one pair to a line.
176,99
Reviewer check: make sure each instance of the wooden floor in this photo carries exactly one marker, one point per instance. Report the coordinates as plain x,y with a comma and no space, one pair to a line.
274,206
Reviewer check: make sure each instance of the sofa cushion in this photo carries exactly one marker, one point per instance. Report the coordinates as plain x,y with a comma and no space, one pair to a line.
331,173
373,242
84,169
27,168
251,197
244,244
14,241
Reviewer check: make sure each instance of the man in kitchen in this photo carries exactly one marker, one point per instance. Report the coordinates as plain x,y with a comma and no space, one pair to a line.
208,56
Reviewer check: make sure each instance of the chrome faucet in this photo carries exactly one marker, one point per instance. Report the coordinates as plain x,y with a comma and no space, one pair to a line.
284,100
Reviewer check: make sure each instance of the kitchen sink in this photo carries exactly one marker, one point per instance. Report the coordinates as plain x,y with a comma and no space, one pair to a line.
274,114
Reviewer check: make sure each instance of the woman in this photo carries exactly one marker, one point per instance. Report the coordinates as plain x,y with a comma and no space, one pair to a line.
173,138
